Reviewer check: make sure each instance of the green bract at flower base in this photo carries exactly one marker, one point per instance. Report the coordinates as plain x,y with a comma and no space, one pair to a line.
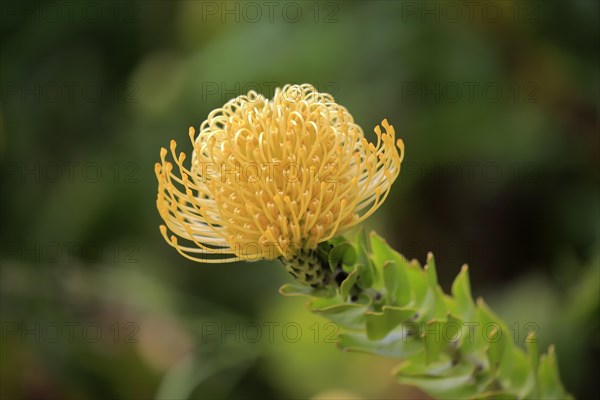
451,346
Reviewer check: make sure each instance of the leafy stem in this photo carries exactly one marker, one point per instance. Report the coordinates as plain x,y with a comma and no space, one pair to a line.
450,345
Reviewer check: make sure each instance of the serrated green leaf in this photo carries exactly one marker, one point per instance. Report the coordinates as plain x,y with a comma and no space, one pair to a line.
461,291
495,349
343,252
403,288
380,324
417,366
549,380
532,350
365,275
363,248
486,315
432,306
397,344
349,316
325,291
440,310
452,387
434,340
419,286
454,382
490,332
350,257
296,290
390,282
382,252
396,284
348,283
324,248
515,373
430,269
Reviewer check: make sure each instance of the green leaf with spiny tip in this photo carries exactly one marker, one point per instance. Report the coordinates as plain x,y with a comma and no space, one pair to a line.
295,290
417,281
403,288
391,282
443,368
531,343
455,326
431,271
366,274
496,347
417,365
415,263
440,309
348,283
432,305
515,373
307,291
461,291
488,316
397,344
342,253
380,324
490,332
548,376
533,355
349,316
445,381
382,252
350,256
363,248
434,340
450,304
324,248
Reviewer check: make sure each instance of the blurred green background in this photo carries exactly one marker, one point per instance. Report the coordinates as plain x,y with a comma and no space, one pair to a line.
497,103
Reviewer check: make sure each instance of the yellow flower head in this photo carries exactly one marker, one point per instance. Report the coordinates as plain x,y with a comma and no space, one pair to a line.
273,178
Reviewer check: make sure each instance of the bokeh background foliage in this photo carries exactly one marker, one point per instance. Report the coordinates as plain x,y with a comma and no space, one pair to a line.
507,183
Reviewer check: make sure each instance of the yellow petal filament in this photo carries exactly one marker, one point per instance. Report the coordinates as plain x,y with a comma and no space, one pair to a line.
273,178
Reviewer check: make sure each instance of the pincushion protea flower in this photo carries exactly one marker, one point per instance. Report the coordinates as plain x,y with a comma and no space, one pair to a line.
273,179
